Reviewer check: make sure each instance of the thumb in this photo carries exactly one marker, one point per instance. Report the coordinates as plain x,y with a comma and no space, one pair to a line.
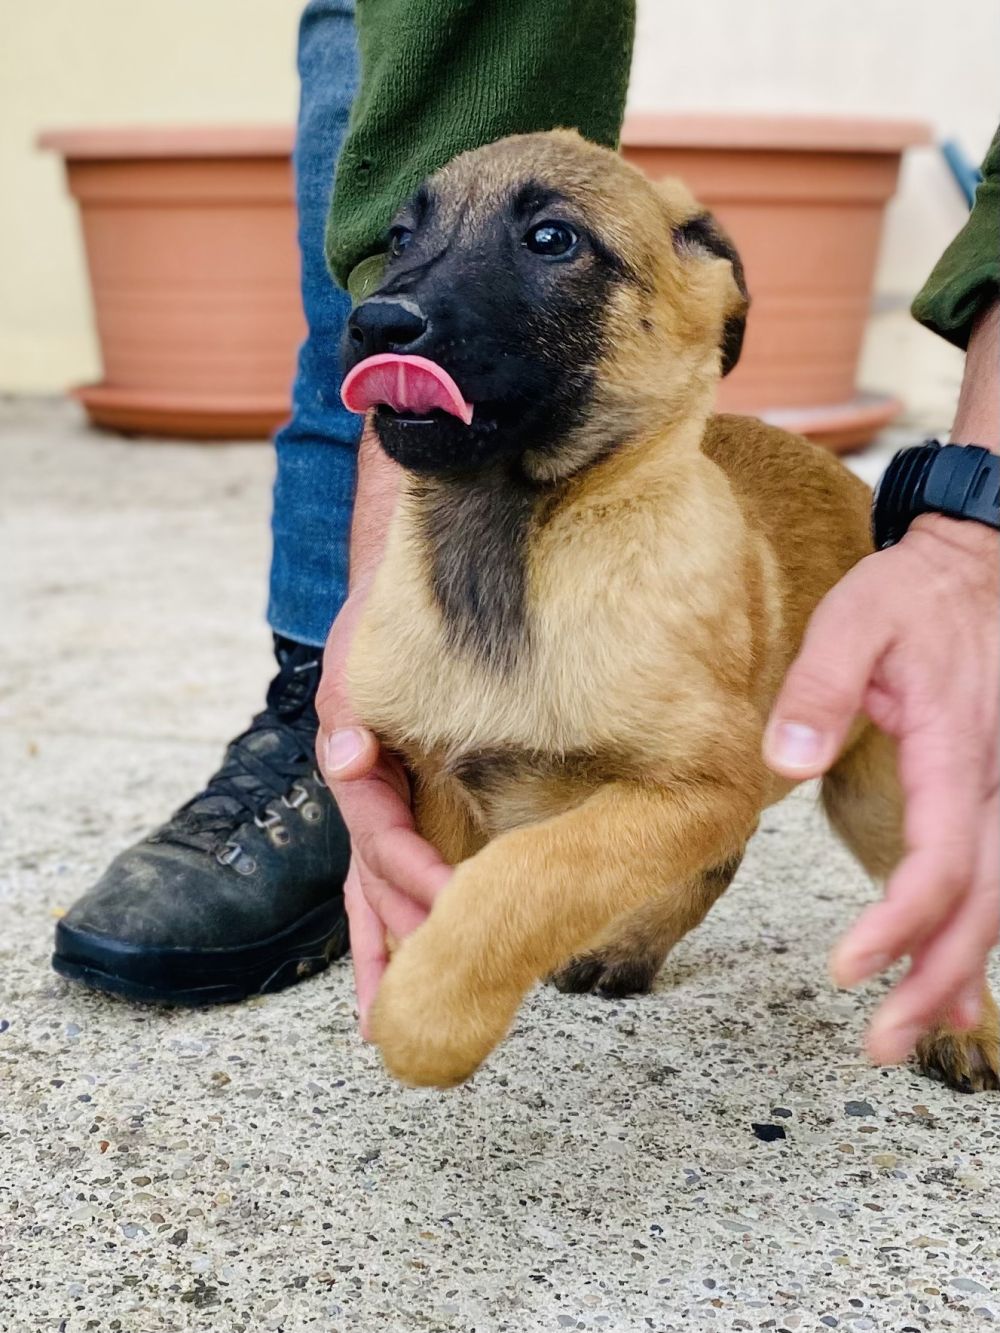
825,687
346,754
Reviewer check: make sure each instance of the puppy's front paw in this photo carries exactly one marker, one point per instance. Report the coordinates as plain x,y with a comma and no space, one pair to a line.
433,1027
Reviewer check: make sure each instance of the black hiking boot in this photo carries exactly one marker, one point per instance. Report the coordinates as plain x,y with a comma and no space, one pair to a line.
241,891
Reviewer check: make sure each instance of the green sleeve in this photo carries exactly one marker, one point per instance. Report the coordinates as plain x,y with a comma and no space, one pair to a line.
966,279
442,76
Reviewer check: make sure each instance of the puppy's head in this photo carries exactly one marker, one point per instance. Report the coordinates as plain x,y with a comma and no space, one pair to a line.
542,303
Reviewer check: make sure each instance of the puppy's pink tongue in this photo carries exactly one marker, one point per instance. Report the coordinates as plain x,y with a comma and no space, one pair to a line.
408,384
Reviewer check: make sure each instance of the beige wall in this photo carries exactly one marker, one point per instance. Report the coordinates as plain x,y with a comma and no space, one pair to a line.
74,62
108,62
933,60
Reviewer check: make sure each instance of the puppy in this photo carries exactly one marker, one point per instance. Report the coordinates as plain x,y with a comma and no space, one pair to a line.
591,591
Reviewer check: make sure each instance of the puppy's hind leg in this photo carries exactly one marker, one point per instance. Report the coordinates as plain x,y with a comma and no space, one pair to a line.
626,958
864,803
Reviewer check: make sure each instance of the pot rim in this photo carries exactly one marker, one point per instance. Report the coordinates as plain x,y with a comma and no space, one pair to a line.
642,129
95,143
789,132
101,393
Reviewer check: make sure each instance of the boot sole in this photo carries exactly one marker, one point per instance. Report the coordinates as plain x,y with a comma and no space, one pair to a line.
197,977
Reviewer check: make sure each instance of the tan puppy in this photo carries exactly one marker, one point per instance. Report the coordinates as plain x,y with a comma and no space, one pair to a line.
590,594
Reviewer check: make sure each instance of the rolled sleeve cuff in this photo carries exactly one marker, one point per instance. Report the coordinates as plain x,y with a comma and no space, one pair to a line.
966,279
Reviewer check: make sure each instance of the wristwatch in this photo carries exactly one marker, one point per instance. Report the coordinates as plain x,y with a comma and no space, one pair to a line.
959,480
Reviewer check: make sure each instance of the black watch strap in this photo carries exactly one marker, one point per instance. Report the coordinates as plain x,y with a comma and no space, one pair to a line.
958,480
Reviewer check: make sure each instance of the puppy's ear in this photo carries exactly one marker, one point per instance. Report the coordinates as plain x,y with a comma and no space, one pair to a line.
702,233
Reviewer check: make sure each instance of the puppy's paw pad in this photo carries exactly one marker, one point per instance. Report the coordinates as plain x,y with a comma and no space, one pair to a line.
966,1061
613,978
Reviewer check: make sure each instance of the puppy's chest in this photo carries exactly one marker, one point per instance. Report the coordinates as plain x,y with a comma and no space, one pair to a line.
514,667
428,686
517,739
545,655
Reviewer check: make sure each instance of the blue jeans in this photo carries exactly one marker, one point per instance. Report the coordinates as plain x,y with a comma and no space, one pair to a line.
317,449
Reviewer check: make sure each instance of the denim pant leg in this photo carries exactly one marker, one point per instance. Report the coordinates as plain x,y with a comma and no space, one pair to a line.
317,449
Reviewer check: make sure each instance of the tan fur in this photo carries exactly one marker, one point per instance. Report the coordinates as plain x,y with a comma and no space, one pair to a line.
669,583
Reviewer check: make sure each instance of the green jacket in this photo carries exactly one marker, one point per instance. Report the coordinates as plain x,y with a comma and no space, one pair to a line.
442,76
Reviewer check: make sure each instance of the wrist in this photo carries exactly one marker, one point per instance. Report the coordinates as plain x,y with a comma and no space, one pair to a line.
374,503
965,551
977,419
962,534
359,583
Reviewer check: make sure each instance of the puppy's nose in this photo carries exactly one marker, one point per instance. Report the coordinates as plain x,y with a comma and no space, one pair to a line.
385,326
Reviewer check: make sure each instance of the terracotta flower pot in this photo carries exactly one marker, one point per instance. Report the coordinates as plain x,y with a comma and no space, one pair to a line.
804,199
191,249
190,242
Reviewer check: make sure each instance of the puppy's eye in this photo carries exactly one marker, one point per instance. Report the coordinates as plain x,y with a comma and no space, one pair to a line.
553,240
399,239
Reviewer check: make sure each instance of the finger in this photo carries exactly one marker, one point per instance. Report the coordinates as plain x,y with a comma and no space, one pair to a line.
917,1005
403,859
382,832
861,953
346,754
967,984
967,1009
947,980
923,891
939,769
824,689
944,985
399,914
369,955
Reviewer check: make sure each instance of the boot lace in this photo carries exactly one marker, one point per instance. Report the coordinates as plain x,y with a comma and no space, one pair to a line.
267,762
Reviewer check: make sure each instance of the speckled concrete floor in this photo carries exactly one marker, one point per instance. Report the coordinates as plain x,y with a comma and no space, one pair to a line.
252,1168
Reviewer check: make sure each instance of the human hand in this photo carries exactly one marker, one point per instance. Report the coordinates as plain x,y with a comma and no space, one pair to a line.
911,637
394,874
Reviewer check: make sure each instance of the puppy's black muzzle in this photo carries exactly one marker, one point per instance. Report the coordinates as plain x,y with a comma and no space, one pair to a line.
472,319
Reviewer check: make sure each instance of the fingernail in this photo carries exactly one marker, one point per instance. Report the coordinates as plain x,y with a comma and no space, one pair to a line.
796,746
343,748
